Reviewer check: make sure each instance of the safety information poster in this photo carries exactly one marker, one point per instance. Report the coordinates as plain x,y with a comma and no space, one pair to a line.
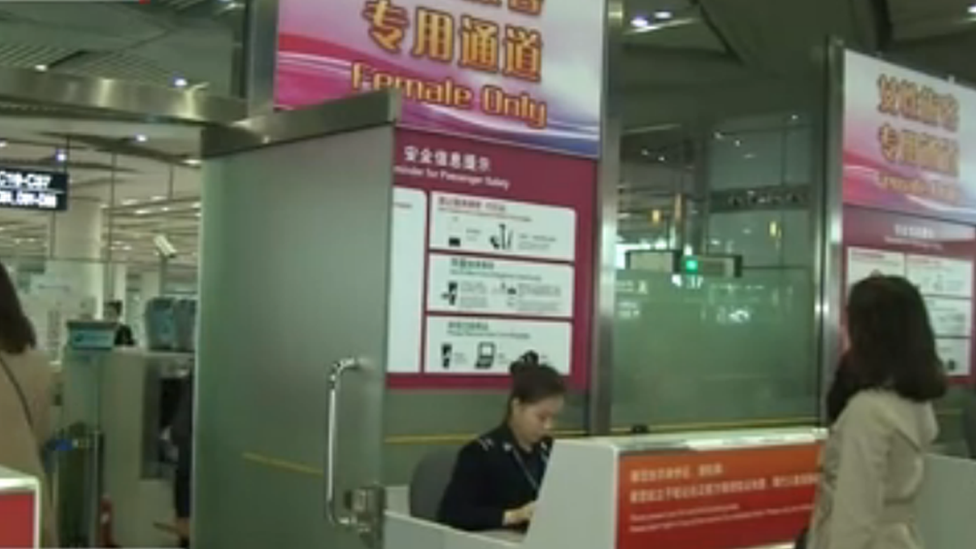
488,263
936,257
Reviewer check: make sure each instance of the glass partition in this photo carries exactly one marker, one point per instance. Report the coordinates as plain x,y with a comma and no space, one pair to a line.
701,352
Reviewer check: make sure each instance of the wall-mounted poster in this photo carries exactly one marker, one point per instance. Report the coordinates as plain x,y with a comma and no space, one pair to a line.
937,257
489,262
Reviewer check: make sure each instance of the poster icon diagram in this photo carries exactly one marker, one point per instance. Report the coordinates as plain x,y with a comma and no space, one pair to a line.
486,356
502,241
451,295
447,355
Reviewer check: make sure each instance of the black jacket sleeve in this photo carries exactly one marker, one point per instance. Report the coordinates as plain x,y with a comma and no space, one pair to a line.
462,506
842,389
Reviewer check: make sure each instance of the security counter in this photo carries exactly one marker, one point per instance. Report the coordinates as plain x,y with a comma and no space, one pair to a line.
723,490
20,507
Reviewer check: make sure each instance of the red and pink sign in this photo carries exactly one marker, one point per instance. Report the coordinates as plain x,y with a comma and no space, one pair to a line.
527,72
904,141
748,497
910,193
492,257
18,519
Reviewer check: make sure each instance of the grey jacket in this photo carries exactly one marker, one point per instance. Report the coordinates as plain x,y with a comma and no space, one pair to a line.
872,471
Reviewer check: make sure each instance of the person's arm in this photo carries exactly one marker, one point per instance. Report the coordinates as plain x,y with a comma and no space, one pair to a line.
858,500
462,506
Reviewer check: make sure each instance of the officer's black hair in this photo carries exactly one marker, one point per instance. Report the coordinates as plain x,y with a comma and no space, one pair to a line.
533,381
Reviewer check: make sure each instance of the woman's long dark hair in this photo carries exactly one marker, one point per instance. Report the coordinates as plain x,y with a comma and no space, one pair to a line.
892,342
16,332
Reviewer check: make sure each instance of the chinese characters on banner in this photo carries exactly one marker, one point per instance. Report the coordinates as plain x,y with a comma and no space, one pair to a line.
748,497
904,133
524,71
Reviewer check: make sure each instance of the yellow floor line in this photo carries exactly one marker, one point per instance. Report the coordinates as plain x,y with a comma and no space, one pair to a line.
418,440
282,465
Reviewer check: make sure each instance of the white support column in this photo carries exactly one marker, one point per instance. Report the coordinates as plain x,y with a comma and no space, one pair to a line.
120,282
150,285
77,262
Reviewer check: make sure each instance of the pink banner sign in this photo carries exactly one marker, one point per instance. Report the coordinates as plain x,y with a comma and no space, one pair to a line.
905,141
527,72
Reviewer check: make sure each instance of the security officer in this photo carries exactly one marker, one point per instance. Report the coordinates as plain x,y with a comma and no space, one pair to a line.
497,477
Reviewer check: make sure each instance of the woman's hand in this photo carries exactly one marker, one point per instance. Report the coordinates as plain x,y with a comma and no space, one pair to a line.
520,516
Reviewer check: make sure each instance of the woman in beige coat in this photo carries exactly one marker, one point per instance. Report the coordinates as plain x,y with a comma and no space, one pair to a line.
873,461
25,399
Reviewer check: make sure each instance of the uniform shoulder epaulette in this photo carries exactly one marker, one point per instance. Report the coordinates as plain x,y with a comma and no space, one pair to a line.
486,443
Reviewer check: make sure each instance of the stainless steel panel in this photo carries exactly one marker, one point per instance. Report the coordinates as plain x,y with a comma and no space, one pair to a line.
260,55
104,95
294,277
601,364
830,233
349,114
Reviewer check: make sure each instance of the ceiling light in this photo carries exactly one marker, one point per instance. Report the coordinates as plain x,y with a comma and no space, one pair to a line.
180,82
129,201
141,212
196,204
61,156
41,68
141,138
663,15
165,209
2,143
972,9
157,198
192,161
640,22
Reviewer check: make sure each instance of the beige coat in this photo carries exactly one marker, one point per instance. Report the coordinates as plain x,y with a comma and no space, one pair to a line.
20,447
873,465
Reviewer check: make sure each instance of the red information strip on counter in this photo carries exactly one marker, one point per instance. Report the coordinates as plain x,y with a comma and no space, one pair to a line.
724,499
17,520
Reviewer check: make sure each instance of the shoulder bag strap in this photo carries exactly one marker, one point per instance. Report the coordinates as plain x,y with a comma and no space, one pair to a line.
20,392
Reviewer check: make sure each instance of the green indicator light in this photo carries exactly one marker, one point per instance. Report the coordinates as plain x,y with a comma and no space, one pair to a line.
691,265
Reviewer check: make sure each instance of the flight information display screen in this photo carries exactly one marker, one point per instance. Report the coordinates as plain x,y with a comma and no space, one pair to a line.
33,190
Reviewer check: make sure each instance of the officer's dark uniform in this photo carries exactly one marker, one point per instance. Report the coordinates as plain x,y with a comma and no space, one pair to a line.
493,475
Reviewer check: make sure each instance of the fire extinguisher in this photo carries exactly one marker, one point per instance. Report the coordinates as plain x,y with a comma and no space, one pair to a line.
107,539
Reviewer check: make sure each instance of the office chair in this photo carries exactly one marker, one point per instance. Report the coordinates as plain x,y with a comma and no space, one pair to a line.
429,482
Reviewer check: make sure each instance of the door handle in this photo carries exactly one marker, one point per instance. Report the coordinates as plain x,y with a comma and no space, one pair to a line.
336,372
363,506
